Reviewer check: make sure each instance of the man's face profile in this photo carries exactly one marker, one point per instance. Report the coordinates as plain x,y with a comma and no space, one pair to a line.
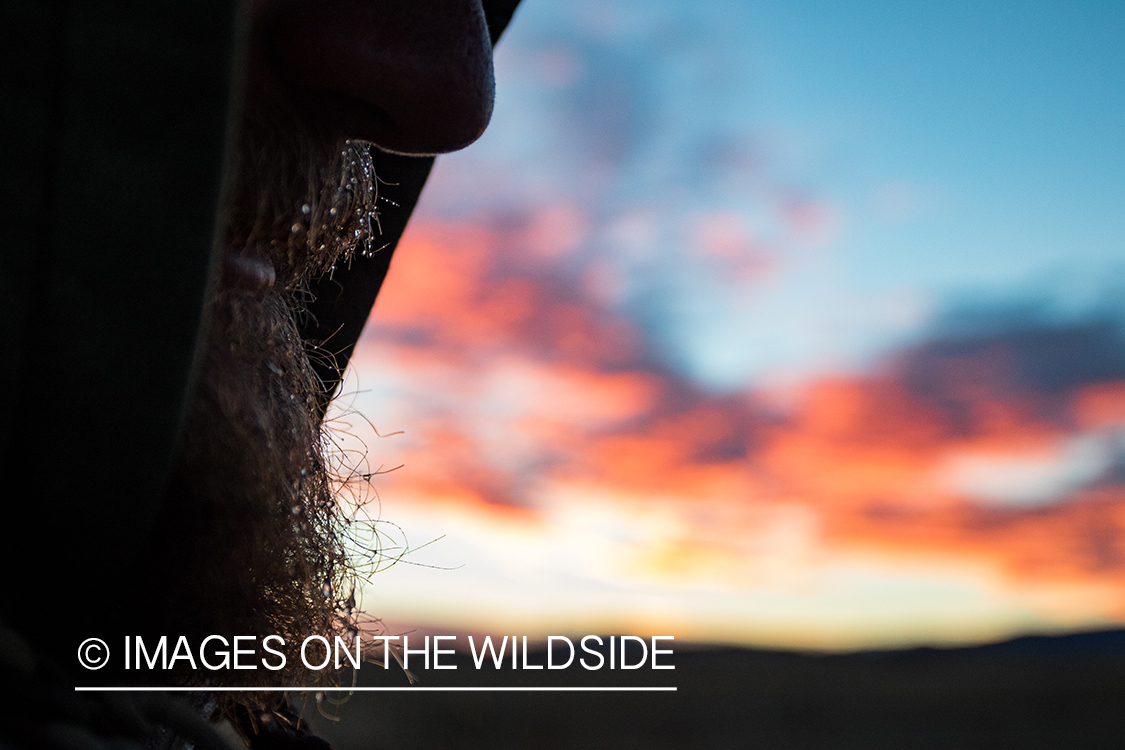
408,77
251,519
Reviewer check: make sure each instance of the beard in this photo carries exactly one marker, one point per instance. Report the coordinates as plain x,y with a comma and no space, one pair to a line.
251,535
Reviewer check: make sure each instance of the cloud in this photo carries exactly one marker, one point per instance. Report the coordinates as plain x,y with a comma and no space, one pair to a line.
997,445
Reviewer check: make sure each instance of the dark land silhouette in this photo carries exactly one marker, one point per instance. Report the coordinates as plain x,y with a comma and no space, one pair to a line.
1031,692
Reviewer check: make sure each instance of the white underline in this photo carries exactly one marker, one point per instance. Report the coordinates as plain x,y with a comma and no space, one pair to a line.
373,689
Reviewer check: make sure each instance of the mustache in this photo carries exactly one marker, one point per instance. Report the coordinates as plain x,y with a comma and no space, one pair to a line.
305,199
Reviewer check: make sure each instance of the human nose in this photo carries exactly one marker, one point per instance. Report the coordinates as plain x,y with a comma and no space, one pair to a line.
411,76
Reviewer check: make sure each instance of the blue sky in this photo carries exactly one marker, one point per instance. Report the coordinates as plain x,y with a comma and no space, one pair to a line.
1010,112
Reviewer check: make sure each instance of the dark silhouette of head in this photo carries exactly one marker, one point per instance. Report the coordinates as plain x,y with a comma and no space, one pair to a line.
199,241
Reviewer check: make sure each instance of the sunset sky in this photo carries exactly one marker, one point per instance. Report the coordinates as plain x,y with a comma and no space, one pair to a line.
777,323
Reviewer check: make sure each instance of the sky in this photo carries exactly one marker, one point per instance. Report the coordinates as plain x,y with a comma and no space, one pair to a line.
787,324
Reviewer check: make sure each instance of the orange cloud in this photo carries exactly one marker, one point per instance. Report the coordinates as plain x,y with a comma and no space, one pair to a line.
1101,405
867,456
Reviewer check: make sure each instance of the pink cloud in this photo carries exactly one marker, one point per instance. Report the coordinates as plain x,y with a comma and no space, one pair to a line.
863,455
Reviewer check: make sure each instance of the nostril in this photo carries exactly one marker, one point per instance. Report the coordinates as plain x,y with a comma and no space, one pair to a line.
411,76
